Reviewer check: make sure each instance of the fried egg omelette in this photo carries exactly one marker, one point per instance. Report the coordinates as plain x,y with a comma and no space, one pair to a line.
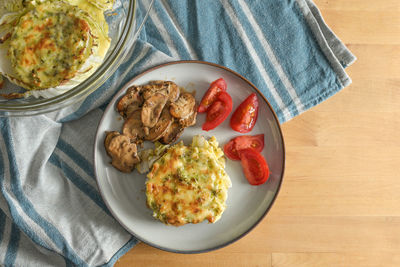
188,184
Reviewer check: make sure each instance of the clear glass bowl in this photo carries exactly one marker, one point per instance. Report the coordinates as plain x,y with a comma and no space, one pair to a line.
124,28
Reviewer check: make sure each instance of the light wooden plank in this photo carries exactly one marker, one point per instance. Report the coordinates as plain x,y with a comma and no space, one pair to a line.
335,259
338,196
318,128
293,234
376,80
382,27
339,234
375,61
143,255
371,5
343,161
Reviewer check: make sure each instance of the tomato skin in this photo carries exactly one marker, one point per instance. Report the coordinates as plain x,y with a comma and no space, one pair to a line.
218,111
220,83
254,166
241,142
250,141
245,116
211,95
230,150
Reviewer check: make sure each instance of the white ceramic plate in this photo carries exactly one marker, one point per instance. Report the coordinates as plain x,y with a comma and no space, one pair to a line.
125,196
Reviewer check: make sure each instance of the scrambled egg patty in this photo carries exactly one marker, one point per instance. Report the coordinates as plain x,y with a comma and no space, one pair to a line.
188,184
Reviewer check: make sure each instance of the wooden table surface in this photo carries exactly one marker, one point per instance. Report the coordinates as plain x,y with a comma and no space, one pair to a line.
339,204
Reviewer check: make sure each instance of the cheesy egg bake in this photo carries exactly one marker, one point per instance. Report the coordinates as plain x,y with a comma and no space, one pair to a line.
52,45
188,184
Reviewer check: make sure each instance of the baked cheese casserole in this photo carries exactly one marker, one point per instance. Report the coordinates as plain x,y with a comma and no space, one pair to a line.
188,184
50,46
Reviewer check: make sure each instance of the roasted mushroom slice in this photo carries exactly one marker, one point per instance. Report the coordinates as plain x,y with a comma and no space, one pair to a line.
109,136
189,120
173,91
161,127
183,107
172,134
152,108
148,91
130,102
167,88
133,127
122,151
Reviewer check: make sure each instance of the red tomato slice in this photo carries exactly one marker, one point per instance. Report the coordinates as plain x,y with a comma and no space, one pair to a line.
230,150
218,111
242,142
245,116
254,166
211,95
248,141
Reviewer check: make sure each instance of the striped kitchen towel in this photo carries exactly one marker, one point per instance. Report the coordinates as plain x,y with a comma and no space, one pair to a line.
51,213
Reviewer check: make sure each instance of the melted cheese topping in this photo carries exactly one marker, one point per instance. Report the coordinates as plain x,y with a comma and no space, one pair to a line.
189,184
97,21
49,45
52,44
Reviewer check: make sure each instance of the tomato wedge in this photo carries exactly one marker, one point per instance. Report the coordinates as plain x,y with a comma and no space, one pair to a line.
241,142
211,95
218,111
254,166
230,150
250,141
245,116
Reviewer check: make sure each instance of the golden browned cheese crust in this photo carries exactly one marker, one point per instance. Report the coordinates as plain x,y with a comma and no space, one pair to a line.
50,44
188,184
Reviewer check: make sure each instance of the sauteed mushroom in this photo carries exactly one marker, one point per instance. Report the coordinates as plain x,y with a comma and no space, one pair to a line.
172,134
168,88
122,151
183,107
133,127
161,127
156,111
190,119
130,102
152,109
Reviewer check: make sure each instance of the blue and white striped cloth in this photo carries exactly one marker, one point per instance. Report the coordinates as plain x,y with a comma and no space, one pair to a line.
51,213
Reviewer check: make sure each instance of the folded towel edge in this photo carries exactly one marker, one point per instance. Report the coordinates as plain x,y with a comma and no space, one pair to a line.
346,56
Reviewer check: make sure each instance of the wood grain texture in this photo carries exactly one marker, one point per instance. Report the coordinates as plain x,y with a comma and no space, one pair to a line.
335,259
340,200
